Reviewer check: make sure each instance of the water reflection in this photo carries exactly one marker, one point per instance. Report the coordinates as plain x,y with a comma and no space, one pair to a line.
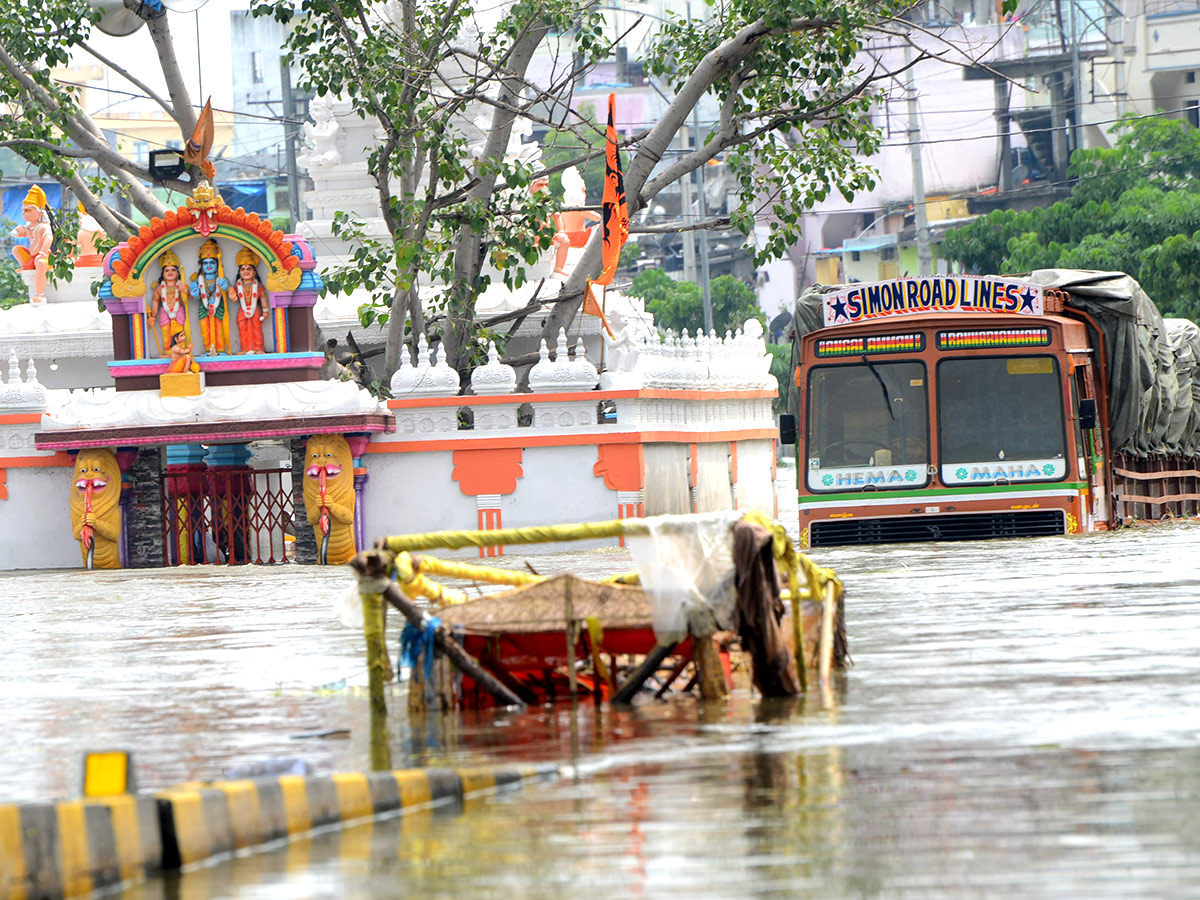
1022,720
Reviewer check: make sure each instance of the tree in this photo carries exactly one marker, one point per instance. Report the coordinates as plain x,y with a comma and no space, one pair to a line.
679,304
794,125
1135,208
793,86
46,125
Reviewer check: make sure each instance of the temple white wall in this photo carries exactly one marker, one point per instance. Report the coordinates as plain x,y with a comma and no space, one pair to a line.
37,524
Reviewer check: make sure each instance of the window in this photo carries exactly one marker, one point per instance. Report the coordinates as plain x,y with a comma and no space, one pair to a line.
256,62
1191,109
867,427
1190,77
1001,419
887,253
855,256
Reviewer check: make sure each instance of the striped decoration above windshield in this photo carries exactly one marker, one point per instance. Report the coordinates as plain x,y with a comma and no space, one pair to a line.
995,337
882,343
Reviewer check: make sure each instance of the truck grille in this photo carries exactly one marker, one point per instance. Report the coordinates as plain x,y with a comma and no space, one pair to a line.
960,527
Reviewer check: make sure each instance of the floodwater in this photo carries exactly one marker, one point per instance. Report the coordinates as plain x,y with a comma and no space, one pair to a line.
1022,720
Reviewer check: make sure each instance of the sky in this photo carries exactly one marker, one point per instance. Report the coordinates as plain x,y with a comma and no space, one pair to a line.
136,53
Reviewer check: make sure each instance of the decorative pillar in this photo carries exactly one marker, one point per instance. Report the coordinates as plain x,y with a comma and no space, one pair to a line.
185,525
358,447
486,475
623,469
305,545
144,517
126,456
232,497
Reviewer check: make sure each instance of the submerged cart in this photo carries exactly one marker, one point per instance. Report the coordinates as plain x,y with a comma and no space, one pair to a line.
714,595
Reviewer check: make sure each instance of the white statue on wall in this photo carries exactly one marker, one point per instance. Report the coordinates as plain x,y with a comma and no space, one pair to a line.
321,136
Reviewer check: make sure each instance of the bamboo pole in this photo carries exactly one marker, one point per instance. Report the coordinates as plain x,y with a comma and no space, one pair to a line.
569,615
638,677
709,671
827,613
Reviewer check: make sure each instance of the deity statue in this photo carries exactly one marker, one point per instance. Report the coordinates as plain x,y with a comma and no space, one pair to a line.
251,296
89,230
95,508
329,497
561,242
212,290
181,355
575,221
321,136
37,229
169,300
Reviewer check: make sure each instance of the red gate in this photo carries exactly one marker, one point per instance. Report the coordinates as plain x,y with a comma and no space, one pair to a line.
231,517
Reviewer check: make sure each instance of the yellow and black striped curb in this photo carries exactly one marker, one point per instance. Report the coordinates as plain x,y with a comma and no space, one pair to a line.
52,850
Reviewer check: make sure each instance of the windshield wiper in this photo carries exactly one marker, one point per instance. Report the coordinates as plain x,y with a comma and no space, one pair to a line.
887,400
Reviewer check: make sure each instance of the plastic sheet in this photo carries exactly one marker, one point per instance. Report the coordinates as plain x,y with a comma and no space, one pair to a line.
685,564
348,607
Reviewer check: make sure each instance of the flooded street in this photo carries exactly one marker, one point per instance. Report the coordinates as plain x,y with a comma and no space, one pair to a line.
1022,719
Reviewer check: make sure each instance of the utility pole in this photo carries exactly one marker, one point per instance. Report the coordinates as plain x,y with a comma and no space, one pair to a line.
924,256
1076,83
289,139
702,214
685,208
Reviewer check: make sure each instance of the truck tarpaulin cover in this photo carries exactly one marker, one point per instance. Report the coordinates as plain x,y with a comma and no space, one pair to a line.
1153,363
1150,404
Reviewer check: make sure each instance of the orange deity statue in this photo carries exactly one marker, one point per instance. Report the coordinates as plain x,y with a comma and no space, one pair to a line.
251,297
181,355
169,303
89,230
37,228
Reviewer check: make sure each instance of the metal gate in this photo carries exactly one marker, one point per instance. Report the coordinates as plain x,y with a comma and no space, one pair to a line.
230,517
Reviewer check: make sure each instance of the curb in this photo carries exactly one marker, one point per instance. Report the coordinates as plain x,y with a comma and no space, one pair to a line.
67,849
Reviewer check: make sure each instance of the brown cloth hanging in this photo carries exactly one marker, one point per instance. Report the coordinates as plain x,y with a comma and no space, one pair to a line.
759,611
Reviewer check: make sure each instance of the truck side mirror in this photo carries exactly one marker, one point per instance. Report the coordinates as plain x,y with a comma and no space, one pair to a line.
787,429
1087,413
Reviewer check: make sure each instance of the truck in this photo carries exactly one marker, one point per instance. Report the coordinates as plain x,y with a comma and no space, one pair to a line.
960,407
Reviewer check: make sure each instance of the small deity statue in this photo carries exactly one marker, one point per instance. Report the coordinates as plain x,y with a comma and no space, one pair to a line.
169,300
89,230
212,290
561,242
575,222
38,229
181,355
251,298
621,351
321,136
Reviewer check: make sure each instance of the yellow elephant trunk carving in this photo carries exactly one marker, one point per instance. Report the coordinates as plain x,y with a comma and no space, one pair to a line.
329,497
95,504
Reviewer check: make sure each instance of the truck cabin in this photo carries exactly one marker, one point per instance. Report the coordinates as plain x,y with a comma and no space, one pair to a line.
950,424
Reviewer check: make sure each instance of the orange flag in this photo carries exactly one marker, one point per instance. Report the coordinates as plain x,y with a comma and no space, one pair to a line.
199,145
592,307
615,219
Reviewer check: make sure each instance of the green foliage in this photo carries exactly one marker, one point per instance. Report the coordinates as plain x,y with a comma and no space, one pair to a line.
677,305
1134,209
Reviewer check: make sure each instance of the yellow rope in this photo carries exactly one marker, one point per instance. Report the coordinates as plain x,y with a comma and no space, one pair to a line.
416,585
469,572
454,540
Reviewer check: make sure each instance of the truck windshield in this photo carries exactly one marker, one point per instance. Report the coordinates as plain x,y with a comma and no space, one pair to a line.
1000,418
868,427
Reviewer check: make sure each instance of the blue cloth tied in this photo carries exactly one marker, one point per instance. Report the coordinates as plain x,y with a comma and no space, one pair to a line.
416,642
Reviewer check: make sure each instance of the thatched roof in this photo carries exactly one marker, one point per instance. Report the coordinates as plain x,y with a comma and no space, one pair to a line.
542,607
